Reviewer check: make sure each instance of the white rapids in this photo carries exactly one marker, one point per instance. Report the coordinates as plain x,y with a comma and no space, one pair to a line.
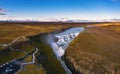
64,39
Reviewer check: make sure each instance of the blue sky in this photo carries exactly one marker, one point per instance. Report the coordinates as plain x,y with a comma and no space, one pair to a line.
71,9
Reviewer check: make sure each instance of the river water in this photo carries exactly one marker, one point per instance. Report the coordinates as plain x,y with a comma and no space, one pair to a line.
63,40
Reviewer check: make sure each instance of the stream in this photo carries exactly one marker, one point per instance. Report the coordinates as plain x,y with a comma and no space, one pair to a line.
61,44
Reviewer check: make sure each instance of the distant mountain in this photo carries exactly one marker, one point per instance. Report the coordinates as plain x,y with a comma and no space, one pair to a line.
15,19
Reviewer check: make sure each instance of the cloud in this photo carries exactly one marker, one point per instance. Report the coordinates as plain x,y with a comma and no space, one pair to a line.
2,14
2,10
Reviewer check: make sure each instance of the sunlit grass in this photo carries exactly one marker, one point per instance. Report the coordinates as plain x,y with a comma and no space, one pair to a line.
10,32
98,47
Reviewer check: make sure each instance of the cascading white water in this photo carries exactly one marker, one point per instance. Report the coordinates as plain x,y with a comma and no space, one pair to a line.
64,39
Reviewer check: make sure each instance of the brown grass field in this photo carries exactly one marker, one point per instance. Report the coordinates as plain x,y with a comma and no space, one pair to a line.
10,31
98,46
96,51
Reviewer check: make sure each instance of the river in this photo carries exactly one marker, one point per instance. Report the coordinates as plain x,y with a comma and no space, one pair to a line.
58,42
63,40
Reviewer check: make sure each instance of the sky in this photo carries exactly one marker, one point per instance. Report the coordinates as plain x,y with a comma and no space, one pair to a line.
60,9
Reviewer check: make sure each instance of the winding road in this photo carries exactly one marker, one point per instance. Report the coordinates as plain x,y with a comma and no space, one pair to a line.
16,65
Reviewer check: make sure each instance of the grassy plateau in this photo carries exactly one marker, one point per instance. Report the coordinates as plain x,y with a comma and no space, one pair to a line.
94,51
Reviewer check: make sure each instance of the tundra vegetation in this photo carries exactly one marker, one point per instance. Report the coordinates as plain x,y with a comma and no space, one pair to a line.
96,50
10,31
